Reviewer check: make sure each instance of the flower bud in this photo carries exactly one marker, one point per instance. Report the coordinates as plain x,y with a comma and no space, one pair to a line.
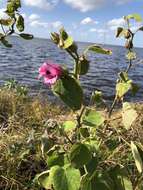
63,34
55,37
127,34
61,43
129,44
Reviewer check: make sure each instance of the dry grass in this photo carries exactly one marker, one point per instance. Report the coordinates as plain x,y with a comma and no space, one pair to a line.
21,118
23,121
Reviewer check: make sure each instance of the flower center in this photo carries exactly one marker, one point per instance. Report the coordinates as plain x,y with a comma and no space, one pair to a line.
48,72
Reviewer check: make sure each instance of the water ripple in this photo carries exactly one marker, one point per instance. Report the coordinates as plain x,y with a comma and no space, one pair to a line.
23,60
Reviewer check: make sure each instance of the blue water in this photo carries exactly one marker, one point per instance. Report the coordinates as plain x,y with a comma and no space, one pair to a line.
23,60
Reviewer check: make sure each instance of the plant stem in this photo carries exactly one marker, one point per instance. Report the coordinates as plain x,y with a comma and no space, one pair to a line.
80,116
139,180
112,107
3,29
76,70
130,50
76,59
79,124
71,54
66,136
115,99
129,66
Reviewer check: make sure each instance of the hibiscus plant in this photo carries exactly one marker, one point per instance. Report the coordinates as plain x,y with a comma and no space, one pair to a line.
86,151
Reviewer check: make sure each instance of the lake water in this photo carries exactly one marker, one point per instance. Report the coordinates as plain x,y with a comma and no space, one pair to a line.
23,60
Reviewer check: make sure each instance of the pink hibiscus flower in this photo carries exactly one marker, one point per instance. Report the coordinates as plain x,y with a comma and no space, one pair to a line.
51,72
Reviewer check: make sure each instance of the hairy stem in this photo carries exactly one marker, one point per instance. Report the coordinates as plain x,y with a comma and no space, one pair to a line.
76,59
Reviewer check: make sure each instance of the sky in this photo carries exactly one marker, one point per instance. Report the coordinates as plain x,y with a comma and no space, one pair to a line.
85,20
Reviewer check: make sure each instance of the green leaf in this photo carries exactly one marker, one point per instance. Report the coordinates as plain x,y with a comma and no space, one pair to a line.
96,97
1,36
92,164
131,55
17,3
66,178
135,89
68,42
44,179
122,88
120,178
93,118
84,132
92,144
141,28
129,115
86,183
6,22
137,157
63,34
135,16
101,182
68,126
5,43
123,76
55,37
80,155
69,90
83,65
119,31
10,7
26,36
55,159
98,49
20,23
13,5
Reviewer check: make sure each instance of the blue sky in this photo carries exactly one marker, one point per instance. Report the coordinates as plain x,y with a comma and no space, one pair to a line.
85,20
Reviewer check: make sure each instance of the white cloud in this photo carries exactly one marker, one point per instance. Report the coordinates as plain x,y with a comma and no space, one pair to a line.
43,4
37,23
2,13
82,5
24,15
56,24
116,22
85,5
89,5
122,2
92,30
49,25
100,31
34,17
88,20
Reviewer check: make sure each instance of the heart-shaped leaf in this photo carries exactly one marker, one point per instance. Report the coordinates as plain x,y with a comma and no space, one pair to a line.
70,92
